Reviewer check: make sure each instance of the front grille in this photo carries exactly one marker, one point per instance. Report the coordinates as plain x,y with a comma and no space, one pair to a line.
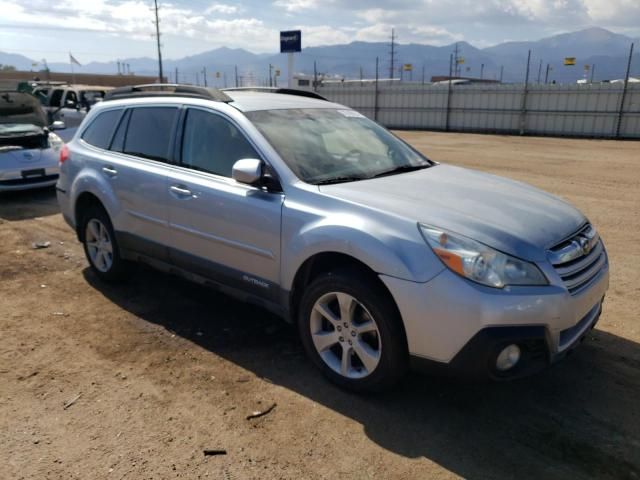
579,259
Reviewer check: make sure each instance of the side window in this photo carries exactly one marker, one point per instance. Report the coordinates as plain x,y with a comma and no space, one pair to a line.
56,98
149,132
71,95
117,144
99,132
212,144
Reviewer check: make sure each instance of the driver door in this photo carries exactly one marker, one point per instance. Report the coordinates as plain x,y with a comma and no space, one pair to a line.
221,229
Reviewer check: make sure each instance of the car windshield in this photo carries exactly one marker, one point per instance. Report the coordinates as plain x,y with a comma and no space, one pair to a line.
324,146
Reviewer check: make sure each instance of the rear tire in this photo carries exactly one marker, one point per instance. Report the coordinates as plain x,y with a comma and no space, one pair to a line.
101,246
352,331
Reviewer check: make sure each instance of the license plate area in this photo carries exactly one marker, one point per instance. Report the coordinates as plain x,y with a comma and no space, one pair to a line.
36,172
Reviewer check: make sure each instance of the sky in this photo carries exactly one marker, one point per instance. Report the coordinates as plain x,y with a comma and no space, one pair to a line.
103,30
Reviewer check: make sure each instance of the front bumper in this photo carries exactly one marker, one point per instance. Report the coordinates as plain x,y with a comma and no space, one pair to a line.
452,321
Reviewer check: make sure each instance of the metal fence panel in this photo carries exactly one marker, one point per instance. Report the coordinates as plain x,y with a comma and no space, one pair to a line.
589,110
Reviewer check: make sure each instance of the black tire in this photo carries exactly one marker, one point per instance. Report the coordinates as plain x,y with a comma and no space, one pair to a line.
393,359
119,268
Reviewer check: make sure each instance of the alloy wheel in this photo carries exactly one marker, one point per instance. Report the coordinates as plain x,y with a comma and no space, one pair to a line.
345,335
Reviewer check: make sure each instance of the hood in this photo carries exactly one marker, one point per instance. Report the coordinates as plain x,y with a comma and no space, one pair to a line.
21,108
507,215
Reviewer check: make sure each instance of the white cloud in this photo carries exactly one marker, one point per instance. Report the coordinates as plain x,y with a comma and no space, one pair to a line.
222,8
292,6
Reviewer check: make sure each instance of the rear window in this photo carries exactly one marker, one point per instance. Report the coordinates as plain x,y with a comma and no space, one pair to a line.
101,129
149,132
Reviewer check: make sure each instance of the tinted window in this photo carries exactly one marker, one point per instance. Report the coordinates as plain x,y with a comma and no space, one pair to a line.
149,132
117,144
212,144
99,132
56,98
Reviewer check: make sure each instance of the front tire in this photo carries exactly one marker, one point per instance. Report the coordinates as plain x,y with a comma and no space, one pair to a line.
352,331
101,246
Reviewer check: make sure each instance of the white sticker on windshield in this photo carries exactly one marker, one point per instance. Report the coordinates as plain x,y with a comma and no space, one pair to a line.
351,113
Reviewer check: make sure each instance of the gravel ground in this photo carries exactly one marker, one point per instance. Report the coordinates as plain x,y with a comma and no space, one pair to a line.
135,381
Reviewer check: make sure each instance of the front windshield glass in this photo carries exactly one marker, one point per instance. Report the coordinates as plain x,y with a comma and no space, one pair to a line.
332,146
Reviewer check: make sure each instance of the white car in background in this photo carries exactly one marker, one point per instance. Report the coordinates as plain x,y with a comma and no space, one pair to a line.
29,150
71,103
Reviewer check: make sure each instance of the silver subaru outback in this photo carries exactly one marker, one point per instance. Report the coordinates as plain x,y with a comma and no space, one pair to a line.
383,258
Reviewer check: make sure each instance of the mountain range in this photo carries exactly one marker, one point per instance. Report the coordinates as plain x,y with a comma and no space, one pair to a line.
607,50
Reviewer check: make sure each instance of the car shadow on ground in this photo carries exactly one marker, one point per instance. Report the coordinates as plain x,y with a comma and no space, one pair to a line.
26,204
579,419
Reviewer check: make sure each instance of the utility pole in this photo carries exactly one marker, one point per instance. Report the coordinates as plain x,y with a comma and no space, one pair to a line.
375,98
118,62
236,74
446,123
177,75
523,113
546,75
392,53
481,71
539,70
270,75
422,73
593,69
204,75
197,78
315,77
455,61
501,72
157,22
624,93
361,75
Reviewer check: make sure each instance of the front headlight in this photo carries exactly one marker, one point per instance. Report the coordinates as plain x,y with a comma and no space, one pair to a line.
477,262
55,142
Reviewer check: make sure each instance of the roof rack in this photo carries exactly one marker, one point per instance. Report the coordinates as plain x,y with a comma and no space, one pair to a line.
286,91
166,89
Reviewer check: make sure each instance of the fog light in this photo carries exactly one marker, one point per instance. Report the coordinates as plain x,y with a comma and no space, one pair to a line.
508,357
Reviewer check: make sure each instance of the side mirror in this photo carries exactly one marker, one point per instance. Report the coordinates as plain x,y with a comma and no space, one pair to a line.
247,170
57,125
70,104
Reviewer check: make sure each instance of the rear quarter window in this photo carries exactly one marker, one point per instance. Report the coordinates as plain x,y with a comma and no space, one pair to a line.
100,131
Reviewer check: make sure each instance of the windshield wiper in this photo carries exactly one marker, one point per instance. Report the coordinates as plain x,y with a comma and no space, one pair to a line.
400,169
343,179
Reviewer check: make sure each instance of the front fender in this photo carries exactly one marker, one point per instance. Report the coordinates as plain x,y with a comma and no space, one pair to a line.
389,246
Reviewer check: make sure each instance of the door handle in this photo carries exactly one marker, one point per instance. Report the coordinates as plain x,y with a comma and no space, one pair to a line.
180,191
110,171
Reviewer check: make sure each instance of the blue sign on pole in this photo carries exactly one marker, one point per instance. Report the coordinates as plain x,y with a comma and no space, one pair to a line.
291,41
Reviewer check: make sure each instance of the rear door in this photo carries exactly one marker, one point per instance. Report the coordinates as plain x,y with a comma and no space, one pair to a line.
221,229
136,169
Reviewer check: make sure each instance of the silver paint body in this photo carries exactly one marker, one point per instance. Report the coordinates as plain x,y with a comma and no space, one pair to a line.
268,236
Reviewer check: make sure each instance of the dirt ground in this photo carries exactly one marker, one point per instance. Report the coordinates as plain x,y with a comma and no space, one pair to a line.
161,369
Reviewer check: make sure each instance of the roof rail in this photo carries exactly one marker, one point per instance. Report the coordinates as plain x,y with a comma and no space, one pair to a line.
286,91
166,89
